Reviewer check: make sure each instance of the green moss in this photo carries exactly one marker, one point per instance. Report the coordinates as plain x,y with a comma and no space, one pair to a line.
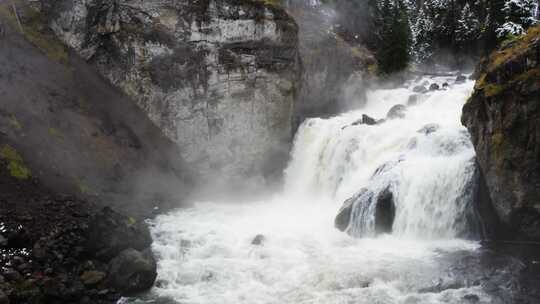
35,31
131,221
491,90
83,188
15,163
14,122
56,133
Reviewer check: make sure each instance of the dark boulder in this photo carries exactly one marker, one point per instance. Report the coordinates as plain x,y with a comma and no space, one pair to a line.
110,232
461,79
396,112
132,271
258,240
420,89
343,217
445,85
385,212
368,120
434,87
11,275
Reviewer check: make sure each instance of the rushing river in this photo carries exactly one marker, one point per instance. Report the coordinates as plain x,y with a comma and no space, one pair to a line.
205,254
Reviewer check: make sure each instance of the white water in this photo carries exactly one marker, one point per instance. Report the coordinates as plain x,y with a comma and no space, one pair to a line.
205,253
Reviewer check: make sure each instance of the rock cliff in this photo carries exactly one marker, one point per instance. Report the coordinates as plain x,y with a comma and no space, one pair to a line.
63,124
218,77
503,117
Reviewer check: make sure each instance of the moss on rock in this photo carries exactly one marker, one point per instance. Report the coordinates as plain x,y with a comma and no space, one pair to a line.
15,163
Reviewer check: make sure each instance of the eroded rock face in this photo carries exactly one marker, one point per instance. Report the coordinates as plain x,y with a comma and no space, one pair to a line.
218,77
503,117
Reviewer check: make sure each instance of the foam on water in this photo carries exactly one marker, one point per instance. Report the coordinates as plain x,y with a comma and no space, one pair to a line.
205,253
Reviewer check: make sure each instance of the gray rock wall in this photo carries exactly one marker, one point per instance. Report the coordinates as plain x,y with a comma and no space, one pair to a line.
218,77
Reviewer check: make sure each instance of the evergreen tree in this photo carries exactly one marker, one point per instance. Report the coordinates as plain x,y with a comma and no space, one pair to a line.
393,53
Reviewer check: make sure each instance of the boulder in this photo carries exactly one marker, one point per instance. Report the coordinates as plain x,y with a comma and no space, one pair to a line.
343,218
92,277
132,271
461,79
110,232
445,85
434,87
368,120
258,240
397,112
11,275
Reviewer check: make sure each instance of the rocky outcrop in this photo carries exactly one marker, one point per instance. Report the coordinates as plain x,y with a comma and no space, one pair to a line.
503,117
336,64
64,250
218,77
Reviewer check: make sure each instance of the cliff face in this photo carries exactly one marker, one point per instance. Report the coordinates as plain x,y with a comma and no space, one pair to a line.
218,77
503,117
63,124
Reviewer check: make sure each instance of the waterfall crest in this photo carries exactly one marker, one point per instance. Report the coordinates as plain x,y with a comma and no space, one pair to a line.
422,157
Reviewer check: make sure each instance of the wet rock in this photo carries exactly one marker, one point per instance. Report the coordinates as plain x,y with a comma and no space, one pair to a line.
3,241
429,128
434,87
502,117
385,212
471,298
397,112
132,271
110,232
343,218
12,275
445,85
461,79
90,278
258,240
413,100
420,89
368,120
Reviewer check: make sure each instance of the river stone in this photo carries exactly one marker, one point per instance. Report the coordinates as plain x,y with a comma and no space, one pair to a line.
132,271
258,240
90,278
434,87
397,111
110,232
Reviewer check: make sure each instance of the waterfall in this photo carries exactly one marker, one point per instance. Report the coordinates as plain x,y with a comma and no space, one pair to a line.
408,184
423,159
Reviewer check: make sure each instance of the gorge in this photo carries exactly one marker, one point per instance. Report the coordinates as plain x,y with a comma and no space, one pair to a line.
246,151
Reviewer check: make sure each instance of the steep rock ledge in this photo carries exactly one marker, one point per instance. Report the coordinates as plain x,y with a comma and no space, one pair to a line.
218,77
503,117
